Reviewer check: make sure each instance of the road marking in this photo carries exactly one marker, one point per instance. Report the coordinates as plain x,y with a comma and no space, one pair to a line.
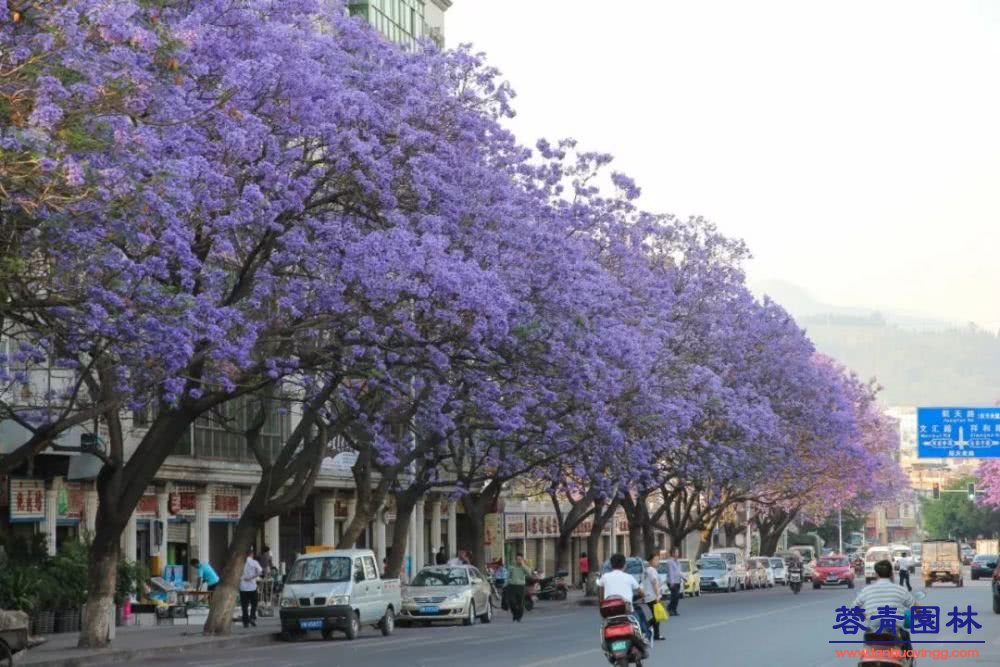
499,639
742,619
563,658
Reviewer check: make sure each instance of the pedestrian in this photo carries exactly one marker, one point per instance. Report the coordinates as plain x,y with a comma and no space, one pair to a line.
517,580
206,575
674,580
266,561
584,570
457,560
651,591
248,590
905,562
441,558
465,557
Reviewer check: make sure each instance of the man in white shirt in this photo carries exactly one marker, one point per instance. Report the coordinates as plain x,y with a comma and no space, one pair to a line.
619,583
248,590
904,563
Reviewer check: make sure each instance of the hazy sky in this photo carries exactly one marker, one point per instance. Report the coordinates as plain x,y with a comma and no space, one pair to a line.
854,144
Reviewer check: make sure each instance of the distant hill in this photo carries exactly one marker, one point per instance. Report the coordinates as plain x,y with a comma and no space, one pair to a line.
918,360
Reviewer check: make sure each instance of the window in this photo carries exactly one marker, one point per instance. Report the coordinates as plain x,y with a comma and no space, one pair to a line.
316,570
359,570
220,435
370,570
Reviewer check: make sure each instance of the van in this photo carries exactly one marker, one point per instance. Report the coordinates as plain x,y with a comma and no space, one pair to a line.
872,556
338,590
942,561
737,563
900,551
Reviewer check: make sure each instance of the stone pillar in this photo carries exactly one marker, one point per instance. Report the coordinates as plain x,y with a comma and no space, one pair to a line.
380,547
452,530
51,517
328,520
203,507
411,543
272,538
541,556
435,528
352,506
420,542
130,541
89,526
614,535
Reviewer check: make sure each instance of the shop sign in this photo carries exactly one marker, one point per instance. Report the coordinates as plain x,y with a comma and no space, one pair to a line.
514,526
494,537
27,500
71,501
147,507
621,524
225,503
183,501
542,526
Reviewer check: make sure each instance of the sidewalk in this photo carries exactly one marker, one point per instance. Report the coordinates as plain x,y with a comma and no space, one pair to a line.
137,643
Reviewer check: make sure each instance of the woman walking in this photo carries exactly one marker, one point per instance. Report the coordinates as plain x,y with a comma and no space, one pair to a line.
651,592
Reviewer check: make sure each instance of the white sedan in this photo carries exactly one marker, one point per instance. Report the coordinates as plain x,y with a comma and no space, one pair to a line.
779,570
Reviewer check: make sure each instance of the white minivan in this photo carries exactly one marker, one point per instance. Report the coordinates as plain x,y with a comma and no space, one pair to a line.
872,556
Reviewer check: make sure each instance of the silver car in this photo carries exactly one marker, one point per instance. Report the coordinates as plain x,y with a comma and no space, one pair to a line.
447,593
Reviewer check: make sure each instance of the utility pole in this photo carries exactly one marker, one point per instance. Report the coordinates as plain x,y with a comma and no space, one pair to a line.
840,531
748,532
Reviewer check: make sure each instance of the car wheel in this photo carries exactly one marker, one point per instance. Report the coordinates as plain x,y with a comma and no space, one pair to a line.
470,618
354,627
850,584
388,623
996,603
488,616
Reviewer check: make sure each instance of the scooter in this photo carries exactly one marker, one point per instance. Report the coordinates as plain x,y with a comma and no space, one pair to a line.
795,580
553,588
882,652
621,635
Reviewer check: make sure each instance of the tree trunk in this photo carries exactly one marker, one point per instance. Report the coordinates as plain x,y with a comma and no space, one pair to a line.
593,546
704,541
220,613
405,502
648,539
475,511
635,540
102,580
731,530
562,551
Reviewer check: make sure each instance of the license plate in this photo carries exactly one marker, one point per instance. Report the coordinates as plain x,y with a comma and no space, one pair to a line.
793,577
311,624
430,609
619,646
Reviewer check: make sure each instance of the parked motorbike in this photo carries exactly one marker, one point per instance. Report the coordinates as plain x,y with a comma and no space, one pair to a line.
621,635
553,588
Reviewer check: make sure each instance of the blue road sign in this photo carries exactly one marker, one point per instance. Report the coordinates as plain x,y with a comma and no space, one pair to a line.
958,433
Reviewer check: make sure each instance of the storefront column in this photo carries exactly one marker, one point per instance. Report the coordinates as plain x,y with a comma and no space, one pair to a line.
328,520
51,518
202,509
435,528
158,551
272,538
541,557
452,530
89,526
419,541
380,548
614,536
130,541
351,506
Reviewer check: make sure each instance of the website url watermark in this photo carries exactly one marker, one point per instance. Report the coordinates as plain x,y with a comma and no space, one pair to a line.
895,653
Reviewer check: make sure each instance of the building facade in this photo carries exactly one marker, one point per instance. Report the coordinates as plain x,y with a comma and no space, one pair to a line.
405,22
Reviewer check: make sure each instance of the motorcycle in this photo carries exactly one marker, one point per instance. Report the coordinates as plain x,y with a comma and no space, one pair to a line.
885,650
795,580
621,635
553,588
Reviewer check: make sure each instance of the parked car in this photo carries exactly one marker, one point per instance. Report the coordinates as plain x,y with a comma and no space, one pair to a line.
779,570
338,590
717,574
983,566
968,553
833,570
735,559
917,552
447,593
764,564
996,591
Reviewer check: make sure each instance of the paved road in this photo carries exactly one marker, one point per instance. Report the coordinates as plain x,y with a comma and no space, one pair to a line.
748,628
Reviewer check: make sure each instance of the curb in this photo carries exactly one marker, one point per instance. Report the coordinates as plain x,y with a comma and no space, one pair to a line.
113,656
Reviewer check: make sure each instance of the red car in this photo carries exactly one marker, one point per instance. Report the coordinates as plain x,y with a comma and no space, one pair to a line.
833,570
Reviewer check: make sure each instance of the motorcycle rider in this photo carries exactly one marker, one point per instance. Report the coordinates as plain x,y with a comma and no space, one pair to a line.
885,593
619,583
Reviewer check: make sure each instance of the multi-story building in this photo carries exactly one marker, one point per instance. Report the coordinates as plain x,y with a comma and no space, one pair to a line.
405,22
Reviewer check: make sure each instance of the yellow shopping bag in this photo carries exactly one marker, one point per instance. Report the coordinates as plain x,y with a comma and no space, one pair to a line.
659,613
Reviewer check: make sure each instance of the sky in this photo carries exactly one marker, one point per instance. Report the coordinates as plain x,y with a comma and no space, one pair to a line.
855,145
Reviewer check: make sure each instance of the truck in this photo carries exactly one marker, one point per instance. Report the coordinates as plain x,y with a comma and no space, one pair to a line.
942,561
988,547
338,590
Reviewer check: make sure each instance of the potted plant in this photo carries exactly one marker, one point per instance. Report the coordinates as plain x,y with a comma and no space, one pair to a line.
68,573
131,577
